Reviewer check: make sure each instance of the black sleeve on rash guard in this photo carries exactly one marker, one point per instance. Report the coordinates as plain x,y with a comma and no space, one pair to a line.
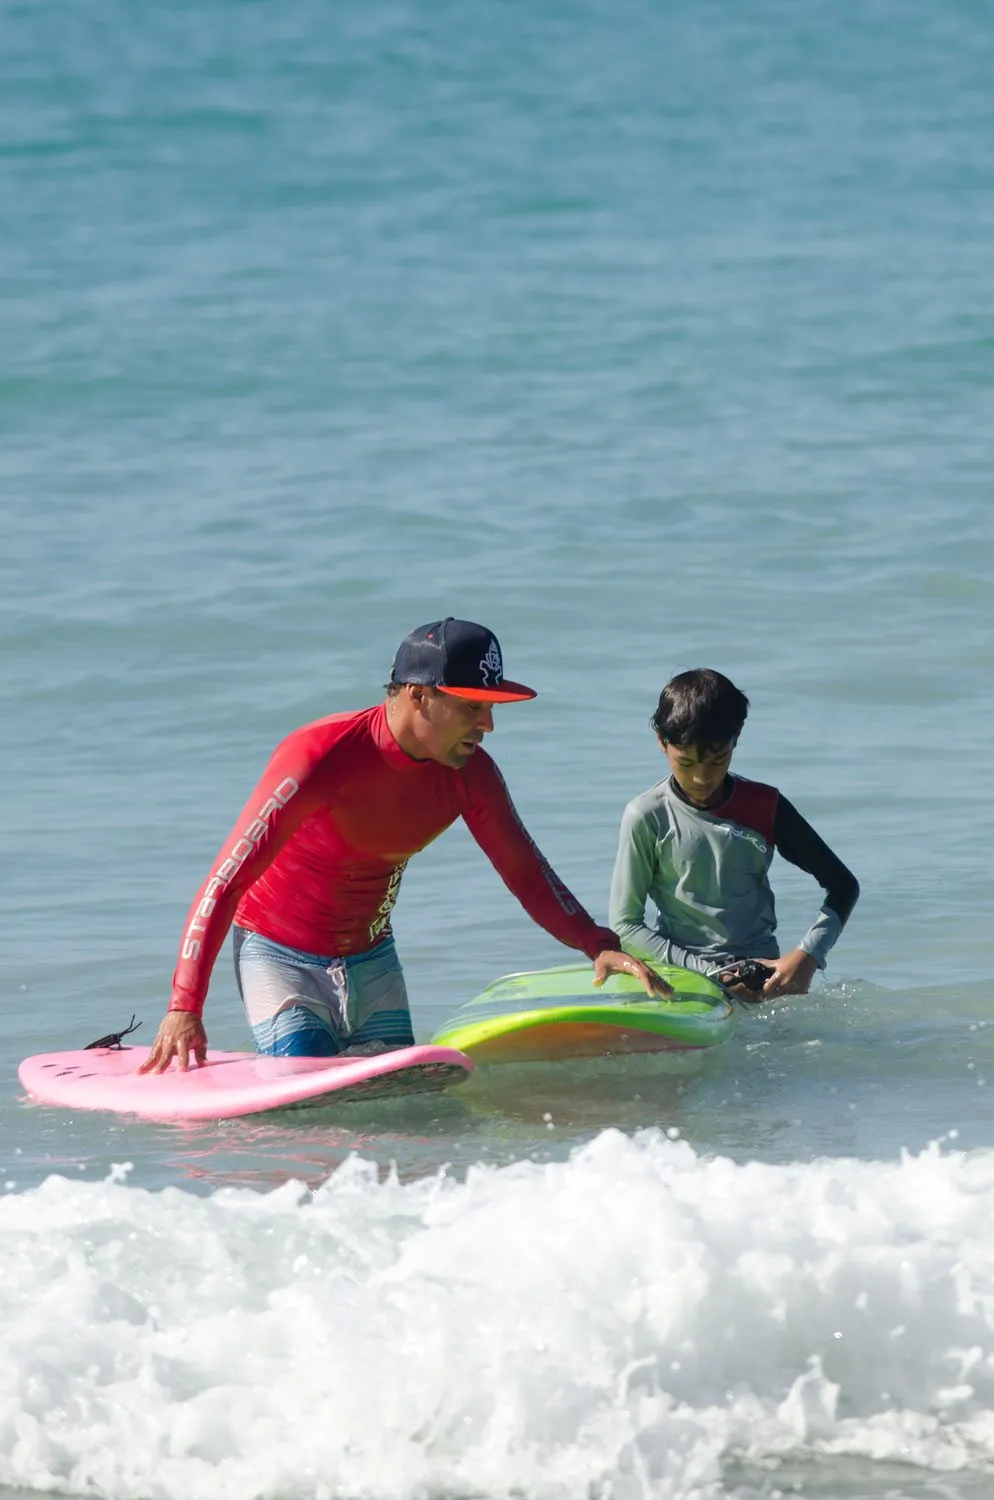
797,841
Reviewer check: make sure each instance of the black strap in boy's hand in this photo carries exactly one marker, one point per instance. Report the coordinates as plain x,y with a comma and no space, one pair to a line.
750,974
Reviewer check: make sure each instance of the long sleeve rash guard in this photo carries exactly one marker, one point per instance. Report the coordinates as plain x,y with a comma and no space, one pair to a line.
315,859
707,873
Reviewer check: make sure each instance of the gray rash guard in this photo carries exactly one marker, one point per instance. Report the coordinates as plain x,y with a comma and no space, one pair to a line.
706,870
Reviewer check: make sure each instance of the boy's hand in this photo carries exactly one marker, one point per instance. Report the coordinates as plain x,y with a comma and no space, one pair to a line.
180,1035
610,961
792,975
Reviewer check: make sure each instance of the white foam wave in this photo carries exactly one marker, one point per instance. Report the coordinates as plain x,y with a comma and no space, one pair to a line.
620,1325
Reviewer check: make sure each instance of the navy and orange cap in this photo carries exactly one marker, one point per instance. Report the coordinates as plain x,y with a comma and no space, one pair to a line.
459,658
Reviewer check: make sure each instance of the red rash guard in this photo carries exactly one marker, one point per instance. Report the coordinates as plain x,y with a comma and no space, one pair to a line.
315,859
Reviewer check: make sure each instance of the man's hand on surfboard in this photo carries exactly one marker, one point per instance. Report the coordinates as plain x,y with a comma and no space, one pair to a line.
182,1036
611,961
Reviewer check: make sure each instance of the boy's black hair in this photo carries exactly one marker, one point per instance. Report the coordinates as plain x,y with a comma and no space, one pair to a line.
700,708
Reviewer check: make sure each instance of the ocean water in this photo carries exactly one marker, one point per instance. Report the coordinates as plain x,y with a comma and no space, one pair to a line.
654,337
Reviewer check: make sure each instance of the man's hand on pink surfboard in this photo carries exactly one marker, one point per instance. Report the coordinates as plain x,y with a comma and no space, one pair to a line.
182,1036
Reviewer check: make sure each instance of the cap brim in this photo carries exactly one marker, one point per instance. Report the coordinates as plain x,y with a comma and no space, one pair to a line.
508,692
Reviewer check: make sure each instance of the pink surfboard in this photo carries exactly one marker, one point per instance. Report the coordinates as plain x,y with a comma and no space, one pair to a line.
232,1083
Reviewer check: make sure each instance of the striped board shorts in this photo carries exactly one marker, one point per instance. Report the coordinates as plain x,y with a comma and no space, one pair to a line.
312,1005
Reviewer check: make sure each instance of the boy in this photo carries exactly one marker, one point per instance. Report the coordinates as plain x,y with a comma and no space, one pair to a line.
699,846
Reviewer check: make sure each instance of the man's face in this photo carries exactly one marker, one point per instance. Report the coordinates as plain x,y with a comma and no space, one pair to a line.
449,729
700,772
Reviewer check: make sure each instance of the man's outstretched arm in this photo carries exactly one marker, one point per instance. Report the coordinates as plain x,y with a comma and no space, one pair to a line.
286,795
494,822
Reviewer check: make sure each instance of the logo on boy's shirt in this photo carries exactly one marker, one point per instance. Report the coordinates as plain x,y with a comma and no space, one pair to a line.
751,837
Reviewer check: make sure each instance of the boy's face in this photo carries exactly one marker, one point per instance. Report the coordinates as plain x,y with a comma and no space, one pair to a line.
700,770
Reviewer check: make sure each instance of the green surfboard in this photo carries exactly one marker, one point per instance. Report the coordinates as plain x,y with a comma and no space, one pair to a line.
554,1013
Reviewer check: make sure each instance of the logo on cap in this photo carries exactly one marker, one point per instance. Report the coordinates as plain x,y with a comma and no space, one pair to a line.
457,657
492,663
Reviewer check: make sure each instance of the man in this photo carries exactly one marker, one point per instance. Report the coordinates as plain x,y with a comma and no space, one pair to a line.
311,870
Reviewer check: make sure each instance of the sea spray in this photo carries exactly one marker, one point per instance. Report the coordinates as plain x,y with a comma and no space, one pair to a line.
625,1323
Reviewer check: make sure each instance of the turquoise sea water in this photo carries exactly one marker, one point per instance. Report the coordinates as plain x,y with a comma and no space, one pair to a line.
653,337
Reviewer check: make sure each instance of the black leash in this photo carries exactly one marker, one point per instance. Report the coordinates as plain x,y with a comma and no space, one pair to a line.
748,972
115,1038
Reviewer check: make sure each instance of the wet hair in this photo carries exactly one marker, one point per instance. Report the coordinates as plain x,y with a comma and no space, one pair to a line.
700,708
394,689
